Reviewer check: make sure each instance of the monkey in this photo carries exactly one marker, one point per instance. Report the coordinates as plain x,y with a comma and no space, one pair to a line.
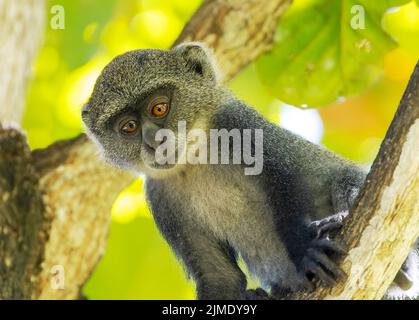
406,283
278,221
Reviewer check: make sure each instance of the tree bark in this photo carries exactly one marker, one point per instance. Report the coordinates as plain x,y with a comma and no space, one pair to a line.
383,224
55,203
23,221
77,189
22,25
238,31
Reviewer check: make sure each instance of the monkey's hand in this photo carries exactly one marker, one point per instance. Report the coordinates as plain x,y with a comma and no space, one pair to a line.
319,263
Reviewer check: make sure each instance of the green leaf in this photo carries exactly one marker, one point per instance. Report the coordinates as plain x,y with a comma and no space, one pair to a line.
318,56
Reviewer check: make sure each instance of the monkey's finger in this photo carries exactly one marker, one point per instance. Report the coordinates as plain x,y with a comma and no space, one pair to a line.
329,245
318,271
329,227
307,284
322,222
328,264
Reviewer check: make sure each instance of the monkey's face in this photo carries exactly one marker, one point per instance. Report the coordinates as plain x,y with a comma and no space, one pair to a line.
142,92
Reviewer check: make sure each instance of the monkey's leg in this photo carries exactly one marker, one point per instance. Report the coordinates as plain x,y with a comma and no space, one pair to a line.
212,266
209,262
406,283
215,270
218,276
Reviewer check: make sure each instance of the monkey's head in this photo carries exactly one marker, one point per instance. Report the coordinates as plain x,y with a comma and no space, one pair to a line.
143,91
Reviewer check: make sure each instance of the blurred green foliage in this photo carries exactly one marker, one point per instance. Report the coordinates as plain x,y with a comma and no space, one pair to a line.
318,56
138,263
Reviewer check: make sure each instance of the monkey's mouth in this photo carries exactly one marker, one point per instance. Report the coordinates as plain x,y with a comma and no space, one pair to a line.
149,149
150,158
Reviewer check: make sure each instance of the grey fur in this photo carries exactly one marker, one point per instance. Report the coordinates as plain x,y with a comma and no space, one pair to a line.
210,214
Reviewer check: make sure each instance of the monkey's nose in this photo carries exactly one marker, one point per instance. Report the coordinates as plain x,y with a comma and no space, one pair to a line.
149,131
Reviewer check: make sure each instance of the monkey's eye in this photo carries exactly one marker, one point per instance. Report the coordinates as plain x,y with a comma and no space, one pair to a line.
159,110
128,126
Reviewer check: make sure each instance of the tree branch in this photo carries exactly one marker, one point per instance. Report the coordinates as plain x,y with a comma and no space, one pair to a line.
383,225
21,33
50,214
78,189
23,222
238,31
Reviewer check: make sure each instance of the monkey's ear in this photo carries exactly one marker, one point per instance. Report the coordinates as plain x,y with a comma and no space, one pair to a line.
198,59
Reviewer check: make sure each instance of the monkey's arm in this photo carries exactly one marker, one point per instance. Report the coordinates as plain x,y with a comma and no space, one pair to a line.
288,193
210,263
345,186
310,250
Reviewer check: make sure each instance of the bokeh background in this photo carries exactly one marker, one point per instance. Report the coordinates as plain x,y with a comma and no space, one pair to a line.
322,80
